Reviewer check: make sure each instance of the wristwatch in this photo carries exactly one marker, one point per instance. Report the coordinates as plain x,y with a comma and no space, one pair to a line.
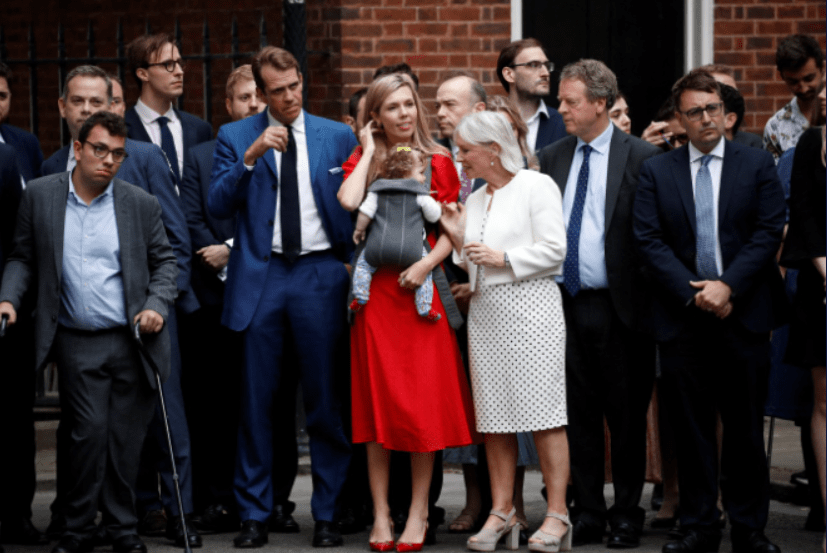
505,260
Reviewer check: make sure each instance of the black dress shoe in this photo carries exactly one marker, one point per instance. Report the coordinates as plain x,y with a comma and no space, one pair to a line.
695,541
216,519
175,532
253,534
326,534
101,537
354,519
21,531
585,533
69,544
129,544
153,523
623,536
282,520
753,542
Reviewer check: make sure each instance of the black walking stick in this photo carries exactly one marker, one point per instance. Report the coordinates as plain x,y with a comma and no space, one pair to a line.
4,320
145,354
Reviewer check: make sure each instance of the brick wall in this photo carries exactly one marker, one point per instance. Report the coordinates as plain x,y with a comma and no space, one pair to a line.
747,33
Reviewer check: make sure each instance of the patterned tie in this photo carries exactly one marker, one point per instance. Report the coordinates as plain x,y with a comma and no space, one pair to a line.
705,221
571,266
291,228
466,186
168,146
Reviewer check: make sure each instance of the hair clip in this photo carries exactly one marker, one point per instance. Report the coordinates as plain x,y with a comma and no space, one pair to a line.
400,148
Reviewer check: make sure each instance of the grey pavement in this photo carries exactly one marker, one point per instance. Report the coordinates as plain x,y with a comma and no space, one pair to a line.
785,522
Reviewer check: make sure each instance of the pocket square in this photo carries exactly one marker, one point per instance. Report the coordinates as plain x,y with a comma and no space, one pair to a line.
335,170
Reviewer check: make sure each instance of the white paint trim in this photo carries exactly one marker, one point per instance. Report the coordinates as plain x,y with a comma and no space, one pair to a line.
699,33
516,20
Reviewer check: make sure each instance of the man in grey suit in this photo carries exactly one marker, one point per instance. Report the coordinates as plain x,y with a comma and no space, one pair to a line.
610,365
96,248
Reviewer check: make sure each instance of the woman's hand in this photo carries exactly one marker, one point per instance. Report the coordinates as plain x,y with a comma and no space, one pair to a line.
452,222
413,277
366,139
480,254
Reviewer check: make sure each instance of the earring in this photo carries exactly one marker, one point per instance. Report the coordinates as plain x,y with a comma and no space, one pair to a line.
492,163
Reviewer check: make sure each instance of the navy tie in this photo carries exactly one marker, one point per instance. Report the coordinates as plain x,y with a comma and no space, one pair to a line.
705,221
571,266
291,228
168,146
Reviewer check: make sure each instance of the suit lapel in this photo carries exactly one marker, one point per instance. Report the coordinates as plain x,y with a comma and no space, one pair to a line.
261,123
543,132
123,222
188,132
57,220
314,146
683,182
729,174
136,127
562,163
618,156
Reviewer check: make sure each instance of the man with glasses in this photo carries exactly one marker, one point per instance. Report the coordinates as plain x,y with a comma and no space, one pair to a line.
524,71
86,91
92,285
708,220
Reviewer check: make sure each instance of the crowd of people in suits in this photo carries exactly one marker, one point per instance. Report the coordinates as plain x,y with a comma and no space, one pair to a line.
576,275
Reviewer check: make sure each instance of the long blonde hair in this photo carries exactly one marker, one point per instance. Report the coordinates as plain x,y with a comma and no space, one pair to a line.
378,92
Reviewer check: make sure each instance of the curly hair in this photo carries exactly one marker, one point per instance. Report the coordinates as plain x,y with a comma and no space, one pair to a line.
401,162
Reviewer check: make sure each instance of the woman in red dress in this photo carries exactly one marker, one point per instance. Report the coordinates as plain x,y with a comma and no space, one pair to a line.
409,389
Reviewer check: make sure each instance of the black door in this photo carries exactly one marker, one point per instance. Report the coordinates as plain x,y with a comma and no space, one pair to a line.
640,40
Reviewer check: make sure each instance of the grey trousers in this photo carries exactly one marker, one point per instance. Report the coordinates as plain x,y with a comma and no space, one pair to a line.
107,403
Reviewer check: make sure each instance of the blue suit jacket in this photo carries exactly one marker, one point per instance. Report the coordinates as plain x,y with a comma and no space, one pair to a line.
10,192
252,196
750,223
205,230
146,168
29,154
196,130
551,129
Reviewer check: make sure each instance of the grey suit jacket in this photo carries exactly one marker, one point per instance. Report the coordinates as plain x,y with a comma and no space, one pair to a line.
148,264
626,155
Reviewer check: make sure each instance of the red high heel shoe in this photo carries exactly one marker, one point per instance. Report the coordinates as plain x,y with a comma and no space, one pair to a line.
382,546
403,547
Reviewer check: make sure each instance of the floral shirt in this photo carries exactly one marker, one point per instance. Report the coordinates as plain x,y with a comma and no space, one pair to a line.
784,129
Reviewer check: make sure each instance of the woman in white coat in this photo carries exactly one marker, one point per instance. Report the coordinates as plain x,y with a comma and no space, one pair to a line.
511,239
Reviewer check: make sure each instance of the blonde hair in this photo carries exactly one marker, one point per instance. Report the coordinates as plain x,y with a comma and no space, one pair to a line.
421,140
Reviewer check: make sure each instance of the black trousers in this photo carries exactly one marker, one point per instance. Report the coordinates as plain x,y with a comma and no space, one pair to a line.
610,371
711,366
107,404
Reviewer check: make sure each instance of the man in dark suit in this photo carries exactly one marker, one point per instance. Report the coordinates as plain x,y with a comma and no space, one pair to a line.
87,90
609,360
279,172
64,243
708,220
524,71
29,155
217,381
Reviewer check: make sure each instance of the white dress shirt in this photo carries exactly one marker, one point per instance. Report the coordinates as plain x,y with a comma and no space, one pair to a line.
715,165
533,124
149,118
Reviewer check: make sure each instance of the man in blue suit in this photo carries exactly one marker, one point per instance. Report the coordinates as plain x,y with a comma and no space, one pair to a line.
524,71
278,172
708,220
25,144
87,90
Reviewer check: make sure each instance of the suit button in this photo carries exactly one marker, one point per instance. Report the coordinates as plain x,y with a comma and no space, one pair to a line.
270,222
266,257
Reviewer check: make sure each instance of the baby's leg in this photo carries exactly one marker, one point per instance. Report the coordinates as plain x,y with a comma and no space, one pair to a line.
362,276
425,297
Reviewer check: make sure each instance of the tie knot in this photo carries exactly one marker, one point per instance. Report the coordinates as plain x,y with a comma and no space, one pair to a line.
586,149
163,120
705,160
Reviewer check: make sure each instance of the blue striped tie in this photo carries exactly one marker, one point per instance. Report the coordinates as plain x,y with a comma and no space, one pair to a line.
705,221
571,266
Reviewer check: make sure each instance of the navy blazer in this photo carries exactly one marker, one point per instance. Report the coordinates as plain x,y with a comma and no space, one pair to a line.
750,225
551,129
27,146
10,192
146,168
252,196
196,130
205,230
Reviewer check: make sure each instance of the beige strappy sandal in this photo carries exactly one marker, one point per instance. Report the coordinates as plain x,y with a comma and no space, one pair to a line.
487,538
549,543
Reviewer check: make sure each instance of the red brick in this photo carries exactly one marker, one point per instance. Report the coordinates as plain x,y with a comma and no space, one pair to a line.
351,77
765,58
428,76
790,12
723,12
428,60
426,14
420,29
760,73
734,58
761,12
460,45
382,15
774,28
772,89
811,27
722,44
491,29
396,45
502,13
361,29
460,29
733,28
738,13
361,3
484,60
427,45
456,61
738,43
759,43
393,29
349,60
465,13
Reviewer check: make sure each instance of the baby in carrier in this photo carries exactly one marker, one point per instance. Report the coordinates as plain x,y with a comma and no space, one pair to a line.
396,206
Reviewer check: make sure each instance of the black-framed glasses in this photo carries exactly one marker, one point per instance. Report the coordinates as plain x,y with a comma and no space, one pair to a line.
535,65
696,114
102,151
169,65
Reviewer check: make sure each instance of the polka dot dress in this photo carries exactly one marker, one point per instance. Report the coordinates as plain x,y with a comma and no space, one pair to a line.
516,345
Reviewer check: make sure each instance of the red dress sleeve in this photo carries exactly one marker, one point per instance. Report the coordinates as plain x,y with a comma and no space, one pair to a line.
444,179
351,162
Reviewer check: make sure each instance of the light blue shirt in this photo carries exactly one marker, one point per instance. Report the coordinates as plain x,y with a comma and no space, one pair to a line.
715,166
91,295
592,255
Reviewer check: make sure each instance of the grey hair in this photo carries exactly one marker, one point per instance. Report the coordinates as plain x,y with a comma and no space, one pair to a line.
484,128
600,81
92,71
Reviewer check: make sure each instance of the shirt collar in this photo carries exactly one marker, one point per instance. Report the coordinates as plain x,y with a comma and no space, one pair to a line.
718,151
297,125
540,109
73,194
149,115
601,143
